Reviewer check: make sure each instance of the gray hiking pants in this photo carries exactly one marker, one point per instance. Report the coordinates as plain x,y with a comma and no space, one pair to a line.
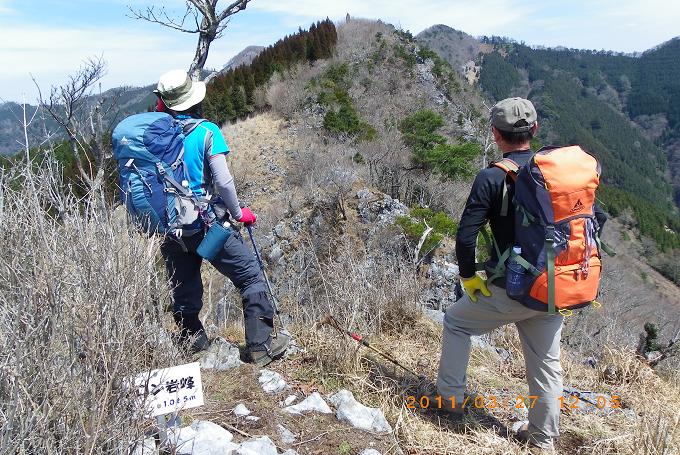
539,333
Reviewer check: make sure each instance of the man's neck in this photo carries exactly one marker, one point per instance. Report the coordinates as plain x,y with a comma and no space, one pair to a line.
509,148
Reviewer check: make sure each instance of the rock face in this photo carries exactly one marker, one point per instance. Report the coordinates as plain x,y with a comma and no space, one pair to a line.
221,356
314,402
203,438
379,210
443,290
358,415
271,381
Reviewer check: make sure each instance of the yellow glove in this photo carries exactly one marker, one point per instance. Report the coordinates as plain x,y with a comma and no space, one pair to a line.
473,284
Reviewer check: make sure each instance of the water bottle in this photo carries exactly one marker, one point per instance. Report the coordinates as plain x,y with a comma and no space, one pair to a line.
214,241
516,276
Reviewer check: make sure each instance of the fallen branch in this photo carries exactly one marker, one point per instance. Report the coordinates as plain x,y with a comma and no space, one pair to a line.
421,242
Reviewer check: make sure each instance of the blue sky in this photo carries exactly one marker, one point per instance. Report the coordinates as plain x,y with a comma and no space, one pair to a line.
49,39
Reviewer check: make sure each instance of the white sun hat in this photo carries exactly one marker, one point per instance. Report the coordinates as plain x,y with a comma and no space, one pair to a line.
178,91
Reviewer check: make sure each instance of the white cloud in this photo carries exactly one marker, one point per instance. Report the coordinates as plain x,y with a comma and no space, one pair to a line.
475,17
137,52
133,56
4,8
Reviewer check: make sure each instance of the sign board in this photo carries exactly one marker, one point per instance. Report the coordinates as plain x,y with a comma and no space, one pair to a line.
169,390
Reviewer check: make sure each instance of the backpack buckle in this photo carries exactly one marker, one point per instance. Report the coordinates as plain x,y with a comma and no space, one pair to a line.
161,169
550,234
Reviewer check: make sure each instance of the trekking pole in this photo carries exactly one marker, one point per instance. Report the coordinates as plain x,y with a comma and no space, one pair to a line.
331,321
266,279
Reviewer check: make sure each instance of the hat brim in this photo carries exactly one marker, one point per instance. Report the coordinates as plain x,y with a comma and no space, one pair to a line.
198,90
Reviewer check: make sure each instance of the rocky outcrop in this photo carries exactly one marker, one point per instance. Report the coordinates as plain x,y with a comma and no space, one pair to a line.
221,356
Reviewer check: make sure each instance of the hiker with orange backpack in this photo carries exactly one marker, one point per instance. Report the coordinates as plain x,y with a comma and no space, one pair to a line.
544,261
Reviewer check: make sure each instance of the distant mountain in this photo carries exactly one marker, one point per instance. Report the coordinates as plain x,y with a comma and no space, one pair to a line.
457,47
622,108
245,57
128,100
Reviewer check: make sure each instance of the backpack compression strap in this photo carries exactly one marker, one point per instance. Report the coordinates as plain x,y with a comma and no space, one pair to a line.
511,169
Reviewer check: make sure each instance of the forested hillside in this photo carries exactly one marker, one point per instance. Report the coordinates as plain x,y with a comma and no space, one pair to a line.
233,94
622,108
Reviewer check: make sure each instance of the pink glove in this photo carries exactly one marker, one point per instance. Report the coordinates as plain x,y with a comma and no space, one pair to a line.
247,217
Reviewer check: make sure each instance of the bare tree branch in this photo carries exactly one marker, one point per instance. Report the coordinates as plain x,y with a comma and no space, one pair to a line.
163,18
80,117
210,26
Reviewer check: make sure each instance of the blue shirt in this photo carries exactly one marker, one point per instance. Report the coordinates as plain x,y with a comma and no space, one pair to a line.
203,142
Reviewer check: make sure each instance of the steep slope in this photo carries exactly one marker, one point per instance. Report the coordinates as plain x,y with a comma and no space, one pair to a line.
244,57
456,46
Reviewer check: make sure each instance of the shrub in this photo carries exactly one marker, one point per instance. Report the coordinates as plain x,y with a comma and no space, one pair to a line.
81,310
414,227
341,116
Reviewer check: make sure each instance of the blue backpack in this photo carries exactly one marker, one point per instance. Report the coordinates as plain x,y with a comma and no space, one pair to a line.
149,149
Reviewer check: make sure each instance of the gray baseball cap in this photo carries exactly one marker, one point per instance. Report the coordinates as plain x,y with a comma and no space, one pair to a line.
514,115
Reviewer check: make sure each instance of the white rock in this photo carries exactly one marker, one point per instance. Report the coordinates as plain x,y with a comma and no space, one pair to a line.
258,446
203,438
145,447
271,381
252,418
358,415
290,399
369,452
290,452
287,436
221,356
241,410
314,402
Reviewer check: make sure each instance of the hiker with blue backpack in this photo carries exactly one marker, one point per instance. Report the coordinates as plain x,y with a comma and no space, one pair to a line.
175,182
544,262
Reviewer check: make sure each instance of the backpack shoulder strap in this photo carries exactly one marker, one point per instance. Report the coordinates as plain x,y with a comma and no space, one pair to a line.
511,169
188,125
508,166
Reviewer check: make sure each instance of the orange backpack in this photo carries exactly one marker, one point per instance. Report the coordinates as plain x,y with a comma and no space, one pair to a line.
559,266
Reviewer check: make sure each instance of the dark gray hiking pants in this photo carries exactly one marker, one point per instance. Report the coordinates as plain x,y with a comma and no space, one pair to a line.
236,262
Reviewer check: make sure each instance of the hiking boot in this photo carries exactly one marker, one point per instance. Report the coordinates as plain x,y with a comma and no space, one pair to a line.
192,336
536,447
200,343
274,348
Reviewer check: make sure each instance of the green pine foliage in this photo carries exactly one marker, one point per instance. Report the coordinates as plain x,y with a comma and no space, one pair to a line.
231,95
341,118
498,76
431,151
416,223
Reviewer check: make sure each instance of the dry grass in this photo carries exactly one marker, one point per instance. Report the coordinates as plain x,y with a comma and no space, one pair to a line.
376,382
80,310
